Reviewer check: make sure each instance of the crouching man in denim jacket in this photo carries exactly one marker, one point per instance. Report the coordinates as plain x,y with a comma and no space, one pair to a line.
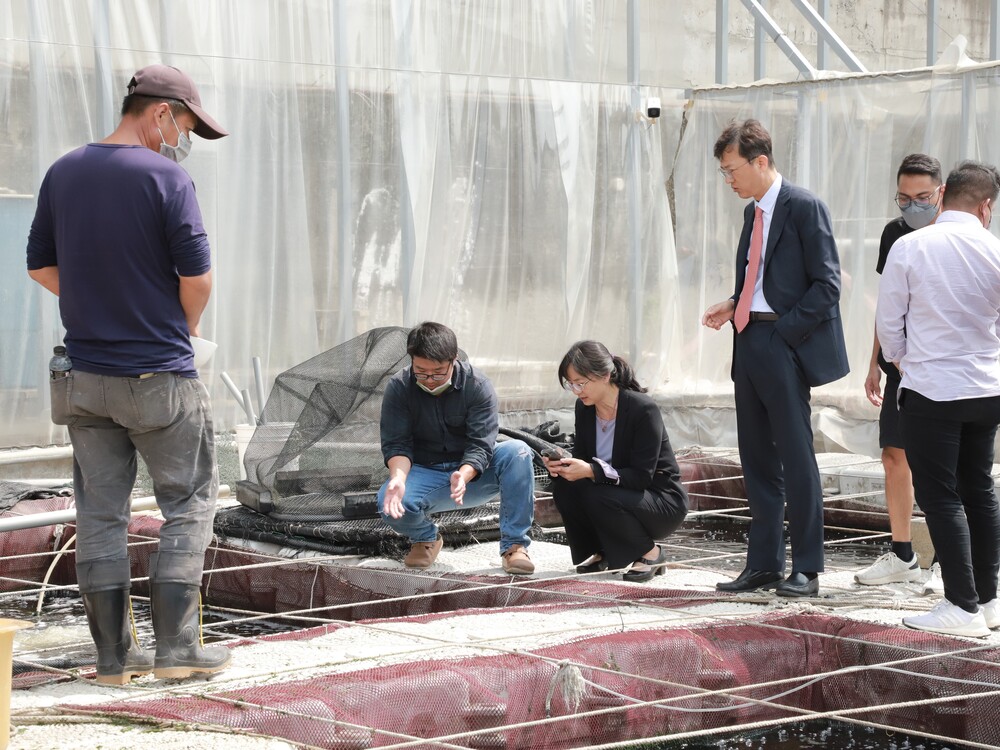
439,428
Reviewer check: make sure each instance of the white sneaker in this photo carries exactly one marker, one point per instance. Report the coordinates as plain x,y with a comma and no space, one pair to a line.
991,611
948,619
890,569
934,585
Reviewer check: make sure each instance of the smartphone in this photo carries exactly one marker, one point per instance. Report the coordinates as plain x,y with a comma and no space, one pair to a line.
554,453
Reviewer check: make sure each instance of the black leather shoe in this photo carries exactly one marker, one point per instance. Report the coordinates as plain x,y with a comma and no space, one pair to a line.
798,584
751,580
656,568
595,567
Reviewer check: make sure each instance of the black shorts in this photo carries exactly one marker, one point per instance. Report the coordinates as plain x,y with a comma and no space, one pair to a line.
889,434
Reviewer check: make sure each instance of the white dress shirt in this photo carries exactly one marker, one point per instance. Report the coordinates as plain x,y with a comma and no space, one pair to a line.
766,203
938,309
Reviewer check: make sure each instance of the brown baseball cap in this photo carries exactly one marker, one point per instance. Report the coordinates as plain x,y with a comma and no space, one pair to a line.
171,83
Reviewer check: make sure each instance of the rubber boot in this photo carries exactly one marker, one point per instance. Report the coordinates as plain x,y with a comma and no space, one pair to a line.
119,658
180,651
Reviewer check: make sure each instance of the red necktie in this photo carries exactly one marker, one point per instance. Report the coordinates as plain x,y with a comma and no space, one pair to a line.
742,316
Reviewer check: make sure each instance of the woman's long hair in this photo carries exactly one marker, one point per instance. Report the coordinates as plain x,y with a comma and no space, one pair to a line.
593,360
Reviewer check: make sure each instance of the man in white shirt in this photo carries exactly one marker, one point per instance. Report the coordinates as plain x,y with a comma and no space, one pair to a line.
937,321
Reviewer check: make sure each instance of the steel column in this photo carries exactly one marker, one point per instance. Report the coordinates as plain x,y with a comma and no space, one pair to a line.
722,41
633,187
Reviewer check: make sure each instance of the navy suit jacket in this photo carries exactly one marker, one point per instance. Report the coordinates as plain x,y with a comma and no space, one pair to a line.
801,281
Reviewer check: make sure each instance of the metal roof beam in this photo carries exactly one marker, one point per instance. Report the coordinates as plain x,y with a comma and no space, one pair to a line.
829,36
784,43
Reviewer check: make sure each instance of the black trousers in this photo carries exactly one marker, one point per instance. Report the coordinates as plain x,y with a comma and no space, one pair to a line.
774,430
949,446
621,524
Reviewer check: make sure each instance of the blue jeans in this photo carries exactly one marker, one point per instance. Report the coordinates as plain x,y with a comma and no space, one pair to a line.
428,490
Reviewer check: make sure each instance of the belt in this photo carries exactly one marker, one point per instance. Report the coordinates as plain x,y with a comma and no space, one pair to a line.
763,317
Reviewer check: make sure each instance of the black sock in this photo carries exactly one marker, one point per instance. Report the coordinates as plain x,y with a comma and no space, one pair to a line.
903,550
809,576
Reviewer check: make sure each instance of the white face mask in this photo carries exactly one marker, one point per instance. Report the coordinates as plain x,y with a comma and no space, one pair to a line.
435,391
179,152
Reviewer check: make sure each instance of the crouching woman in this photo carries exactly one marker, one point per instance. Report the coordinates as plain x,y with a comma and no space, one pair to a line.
621,490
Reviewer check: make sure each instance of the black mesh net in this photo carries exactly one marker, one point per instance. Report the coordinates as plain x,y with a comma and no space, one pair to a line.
316,454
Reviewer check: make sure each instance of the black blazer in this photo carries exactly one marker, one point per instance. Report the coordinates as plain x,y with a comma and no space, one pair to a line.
801,281
641,455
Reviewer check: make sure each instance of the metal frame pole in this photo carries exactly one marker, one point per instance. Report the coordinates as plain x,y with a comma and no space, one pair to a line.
826,35
759,42
722,41
822,8
103,71
634,194
994,29
932,9
785,44
345,247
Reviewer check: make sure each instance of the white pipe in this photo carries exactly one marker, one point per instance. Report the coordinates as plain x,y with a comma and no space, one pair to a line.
248,407
68,515
258,379
36,454
232,388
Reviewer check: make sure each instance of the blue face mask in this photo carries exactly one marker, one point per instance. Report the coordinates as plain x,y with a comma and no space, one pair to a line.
179,152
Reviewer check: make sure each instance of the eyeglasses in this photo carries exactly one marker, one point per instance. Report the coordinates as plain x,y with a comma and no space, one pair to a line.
575,387
921,201
727,174
435,378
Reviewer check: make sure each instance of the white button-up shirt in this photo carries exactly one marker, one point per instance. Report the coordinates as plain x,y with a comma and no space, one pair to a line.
938,309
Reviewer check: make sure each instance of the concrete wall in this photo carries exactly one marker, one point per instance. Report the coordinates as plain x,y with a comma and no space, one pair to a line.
678,38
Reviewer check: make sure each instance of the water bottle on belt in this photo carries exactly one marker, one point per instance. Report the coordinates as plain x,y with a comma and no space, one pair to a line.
60,364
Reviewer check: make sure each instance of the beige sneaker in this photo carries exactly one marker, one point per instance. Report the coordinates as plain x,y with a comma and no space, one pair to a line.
516,561
423,554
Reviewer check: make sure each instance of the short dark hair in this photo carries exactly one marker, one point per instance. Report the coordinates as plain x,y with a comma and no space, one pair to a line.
593,359
750,136
970,183
432,341
136,104
917,164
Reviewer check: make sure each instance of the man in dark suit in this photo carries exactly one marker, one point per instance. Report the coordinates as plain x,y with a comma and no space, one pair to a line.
788,337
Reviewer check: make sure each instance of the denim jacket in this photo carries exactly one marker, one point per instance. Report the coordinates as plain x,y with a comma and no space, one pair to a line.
459,427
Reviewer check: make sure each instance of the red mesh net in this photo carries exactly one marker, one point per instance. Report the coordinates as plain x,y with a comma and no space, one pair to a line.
580,692
27,553
480,699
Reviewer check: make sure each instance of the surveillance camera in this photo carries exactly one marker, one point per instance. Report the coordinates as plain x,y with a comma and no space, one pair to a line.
653,107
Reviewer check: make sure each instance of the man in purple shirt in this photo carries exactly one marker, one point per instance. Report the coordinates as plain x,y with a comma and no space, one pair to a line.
118,237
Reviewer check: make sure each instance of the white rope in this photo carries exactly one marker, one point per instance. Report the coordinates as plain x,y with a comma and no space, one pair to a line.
48,573
572,681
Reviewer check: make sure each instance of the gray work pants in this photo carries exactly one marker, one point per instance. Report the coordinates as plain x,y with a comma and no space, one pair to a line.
168,420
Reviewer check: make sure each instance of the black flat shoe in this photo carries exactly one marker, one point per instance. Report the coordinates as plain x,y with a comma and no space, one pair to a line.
751,580
656,568
594,567
798,584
